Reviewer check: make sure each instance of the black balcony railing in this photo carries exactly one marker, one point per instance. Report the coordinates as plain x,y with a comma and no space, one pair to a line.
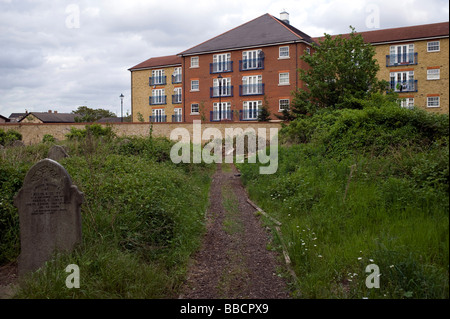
158,118
249,114
251,89
222,91
404,86
157,80
401,59
221,67
251,64
176,99
224,115
176,78
158,100
177,118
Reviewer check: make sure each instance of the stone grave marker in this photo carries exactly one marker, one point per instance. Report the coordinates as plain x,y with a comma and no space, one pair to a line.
49,214
57,152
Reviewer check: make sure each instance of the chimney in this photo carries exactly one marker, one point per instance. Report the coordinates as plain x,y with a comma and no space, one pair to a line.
56,112
49,111
284,16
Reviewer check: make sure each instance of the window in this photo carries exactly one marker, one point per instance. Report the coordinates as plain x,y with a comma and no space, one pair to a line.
283,78
225,87
221,111
433,46
176,96
402,54
194,108
176,77
252,60
407,103
251,110
158,116
284,105
221,63
433,101
283,53
252,85
403,81
308,50
158,96
195,85
433,74
158,77
194,62
177,116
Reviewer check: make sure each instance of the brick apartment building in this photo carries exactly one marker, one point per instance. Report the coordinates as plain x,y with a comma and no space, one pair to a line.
231,76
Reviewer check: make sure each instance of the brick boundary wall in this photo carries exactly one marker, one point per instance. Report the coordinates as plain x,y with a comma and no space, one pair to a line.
33,133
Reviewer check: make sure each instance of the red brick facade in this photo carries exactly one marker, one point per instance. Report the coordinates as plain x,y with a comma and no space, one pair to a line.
270,74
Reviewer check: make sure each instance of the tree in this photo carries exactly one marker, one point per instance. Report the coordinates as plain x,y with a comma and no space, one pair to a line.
88,115
341,69
264,113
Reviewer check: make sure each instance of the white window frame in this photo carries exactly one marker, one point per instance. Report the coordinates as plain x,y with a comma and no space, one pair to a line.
404,54
433,101
251,110
226,110
195,106
159,113
158,94
252,59
158,74
197,85
282,52
226,87
433,74
195,62
178,112
253,84
282,78
407,103
221,62
280,109
402,77
434,46
178,92
177,72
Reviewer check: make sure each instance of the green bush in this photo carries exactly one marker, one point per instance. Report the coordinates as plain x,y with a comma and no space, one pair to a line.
6,138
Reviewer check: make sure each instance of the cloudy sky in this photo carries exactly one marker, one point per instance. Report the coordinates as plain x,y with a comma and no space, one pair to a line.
60,54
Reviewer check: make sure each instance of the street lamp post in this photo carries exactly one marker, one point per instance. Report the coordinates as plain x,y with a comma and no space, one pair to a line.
220,96
121,107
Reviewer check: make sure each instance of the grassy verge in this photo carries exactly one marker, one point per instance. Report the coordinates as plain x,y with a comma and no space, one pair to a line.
364,187
142,218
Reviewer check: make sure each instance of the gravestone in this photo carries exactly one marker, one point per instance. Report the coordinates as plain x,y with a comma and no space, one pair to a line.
49,214
57,152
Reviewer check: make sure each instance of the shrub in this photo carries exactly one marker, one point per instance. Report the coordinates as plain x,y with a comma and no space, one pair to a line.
6,138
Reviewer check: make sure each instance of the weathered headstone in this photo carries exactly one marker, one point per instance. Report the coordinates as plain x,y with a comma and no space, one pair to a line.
57,152
49,214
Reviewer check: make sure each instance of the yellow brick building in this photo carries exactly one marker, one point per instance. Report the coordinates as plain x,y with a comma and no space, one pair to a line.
156,90
415,62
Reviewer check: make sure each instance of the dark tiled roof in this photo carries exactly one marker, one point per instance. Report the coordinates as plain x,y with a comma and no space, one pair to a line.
262,31
434,30
54,117
158,62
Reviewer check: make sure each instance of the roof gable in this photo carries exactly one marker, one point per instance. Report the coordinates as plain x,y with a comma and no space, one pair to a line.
262,31
53,117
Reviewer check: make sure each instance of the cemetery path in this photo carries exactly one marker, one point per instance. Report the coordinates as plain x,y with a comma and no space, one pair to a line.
233,262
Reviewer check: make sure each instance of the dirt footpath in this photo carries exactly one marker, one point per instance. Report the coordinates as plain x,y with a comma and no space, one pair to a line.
233,262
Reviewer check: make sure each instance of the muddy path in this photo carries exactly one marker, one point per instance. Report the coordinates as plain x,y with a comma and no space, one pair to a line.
233,262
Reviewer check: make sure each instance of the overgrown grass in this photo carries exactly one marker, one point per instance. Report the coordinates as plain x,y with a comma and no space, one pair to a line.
142,218
360,187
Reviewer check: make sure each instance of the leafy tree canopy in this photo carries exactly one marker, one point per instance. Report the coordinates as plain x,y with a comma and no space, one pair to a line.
88,115
341,69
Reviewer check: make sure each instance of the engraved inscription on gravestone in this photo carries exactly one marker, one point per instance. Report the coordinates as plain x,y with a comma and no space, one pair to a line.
49,214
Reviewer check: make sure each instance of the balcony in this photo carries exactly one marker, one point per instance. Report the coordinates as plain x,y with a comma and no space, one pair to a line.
158,100
404,86
221,67
158,119
176,99
401,59
251,89
221,91
249,115
177,118
217,116
251,64
157,80
177,78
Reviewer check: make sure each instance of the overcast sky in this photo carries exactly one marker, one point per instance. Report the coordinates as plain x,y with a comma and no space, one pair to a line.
61,54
